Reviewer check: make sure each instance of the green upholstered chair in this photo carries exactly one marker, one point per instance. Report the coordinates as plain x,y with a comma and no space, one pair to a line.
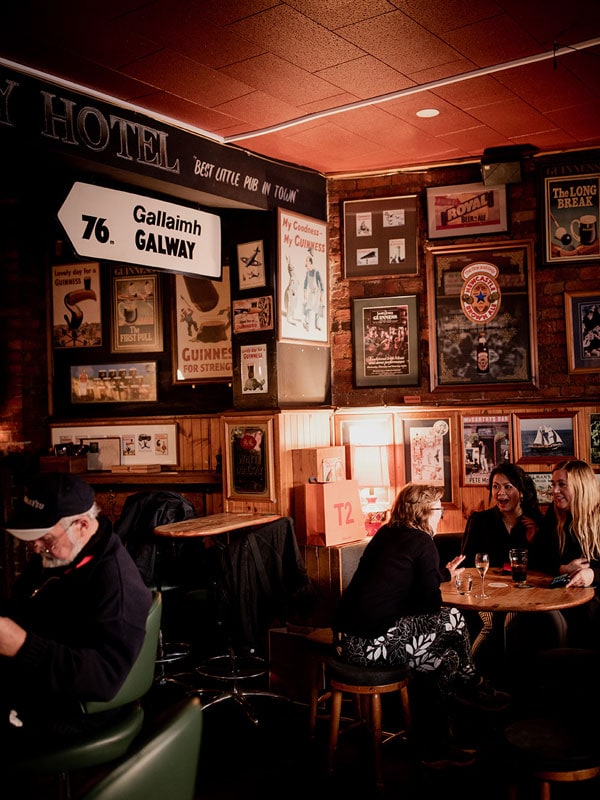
163,765
111,742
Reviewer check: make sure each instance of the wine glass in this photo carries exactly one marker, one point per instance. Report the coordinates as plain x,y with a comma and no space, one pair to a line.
482,563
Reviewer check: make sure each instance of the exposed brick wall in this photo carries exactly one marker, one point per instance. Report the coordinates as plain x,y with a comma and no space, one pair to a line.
555,383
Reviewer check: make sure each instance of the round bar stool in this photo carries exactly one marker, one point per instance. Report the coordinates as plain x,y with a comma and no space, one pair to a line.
367,684
553,751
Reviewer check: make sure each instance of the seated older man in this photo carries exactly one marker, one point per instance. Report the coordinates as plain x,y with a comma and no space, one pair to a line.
75,622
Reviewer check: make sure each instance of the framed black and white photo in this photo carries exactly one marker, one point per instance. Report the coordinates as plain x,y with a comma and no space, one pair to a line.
380,237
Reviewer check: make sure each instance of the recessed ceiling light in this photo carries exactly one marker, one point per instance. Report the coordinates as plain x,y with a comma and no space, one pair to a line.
428,112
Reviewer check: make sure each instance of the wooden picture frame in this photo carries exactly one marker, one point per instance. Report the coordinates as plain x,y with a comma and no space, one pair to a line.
202,329
571,207
76,305
582,324
133,382
470,209
482,296
251,265
427,445
249,456
385,341
302,278
543,486
545,438
380,237
136,310
486,444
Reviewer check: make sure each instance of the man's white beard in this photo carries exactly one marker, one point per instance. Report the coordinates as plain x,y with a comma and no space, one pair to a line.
51,562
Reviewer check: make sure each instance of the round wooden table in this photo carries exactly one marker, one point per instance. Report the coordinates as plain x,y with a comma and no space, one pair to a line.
505,596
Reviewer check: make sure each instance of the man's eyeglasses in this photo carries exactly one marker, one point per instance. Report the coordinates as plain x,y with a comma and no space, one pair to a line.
440,509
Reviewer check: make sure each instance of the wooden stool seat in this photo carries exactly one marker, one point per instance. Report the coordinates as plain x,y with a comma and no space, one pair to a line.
554,751
367,684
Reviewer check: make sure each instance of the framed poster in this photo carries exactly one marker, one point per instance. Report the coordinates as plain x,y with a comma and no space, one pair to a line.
427,448
136,310
251,265
570,217
595,439
380,237
545,438
385,341
76,311
486,444
114,383
481,315
202,329
254,372
582,322
543,486
249,452
470,209
252,314
302,278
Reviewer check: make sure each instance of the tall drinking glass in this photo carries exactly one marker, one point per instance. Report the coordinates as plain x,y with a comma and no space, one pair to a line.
482,563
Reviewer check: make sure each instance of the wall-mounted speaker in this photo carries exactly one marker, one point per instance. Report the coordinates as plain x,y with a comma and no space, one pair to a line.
502,165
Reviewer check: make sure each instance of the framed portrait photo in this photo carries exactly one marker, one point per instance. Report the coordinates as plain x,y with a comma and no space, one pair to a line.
303,283
470,209
582,321
481,315
380,237
385,341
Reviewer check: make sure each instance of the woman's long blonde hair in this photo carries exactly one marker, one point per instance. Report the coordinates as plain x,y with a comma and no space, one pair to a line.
413,504
585,508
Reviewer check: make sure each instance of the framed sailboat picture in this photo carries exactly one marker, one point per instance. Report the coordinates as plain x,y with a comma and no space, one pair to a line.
545,439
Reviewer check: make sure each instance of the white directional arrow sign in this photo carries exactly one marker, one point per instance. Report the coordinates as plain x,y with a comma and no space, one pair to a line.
119,226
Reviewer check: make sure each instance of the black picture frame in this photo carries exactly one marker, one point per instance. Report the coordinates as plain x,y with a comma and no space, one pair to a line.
385,341
380,237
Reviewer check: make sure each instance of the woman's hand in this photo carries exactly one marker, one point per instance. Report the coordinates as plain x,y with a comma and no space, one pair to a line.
452,566
584,576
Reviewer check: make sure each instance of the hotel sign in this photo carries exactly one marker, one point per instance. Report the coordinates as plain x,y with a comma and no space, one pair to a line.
118,226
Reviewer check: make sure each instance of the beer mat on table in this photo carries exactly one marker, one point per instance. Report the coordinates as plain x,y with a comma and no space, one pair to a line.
497,584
